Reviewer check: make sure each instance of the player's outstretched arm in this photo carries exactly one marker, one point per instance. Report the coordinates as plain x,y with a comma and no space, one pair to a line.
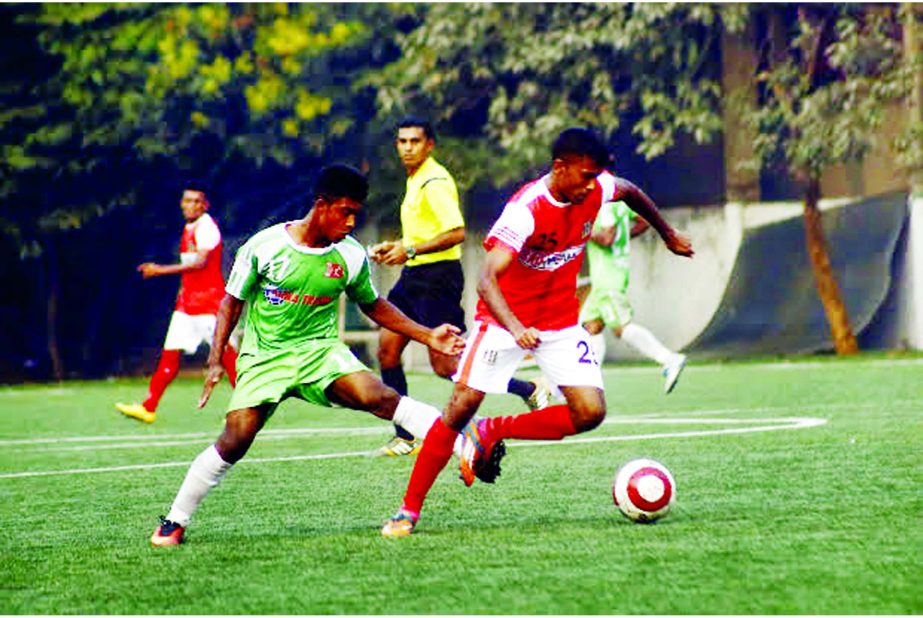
638,201
443,338
150,269
228,315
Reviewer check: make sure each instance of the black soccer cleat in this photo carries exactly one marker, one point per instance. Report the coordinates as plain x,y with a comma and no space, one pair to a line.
488,469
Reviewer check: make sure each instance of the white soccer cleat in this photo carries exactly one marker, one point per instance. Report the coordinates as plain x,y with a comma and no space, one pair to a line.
541,396
671,372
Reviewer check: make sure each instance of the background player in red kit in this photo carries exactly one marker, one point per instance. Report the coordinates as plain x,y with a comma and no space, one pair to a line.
200,293
528,302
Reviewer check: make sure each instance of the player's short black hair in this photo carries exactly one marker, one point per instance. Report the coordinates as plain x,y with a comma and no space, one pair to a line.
196,184
416,121
580,142
338,181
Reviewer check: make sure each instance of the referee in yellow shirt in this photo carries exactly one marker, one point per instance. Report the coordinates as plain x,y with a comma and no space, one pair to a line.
430,287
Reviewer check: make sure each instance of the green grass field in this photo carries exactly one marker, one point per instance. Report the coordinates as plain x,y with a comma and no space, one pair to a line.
775,515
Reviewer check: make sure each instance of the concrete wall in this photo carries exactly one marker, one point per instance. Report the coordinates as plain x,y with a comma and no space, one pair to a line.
907,328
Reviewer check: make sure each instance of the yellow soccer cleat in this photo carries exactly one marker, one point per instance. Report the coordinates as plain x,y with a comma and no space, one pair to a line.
136,411
400,525
399,447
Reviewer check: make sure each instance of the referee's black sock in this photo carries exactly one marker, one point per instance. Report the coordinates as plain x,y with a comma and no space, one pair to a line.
395,378
521,387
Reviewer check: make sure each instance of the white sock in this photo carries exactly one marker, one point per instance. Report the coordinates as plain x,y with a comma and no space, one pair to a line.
645,342
206,472
418,417
598,343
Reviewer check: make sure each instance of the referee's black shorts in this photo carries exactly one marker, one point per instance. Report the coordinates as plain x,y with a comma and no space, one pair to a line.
431,293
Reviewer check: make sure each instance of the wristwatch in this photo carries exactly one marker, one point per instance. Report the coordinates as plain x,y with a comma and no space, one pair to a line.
411,252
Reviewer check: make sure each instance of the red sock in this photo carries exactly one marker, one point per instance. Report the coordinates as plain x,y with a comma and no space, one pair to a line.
163,375
432,458
229,362
552,423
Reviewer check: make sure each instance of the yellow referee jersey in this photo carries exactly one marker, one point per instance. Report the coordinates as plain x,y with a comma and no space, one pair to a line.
430,207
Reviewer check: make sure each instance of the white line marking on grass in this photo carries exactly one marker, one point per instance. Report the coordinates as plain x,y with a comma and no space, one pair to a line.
614,370
781,424
147,439
177,464
39,392
771,424
206,439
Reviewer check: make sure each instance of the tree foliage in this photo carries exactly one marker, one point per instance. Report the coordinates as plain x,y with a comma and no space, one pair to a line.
195,86
825,85
264,78
828,75
525,71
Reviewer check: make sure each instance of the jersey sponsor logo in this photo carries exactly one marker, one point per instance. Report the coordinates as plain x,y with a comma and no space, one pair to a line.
276,296
538,259
334,270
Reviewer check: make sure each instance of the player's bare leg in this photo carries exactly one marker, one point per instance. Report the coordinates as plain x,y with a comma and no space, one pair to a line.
207,470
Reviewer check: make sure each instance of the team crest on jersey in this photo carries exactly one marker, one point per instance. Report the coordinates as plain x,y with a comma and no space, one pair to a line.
334,270
587,228
273,295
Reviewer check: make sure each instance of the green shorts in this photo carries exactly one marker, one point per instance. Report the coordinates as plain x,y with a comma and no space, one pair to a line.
305,373
610,306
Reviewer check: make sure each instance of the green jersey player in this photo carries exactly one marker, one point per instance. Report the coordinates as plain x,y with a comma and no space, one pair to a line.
607,303
291,277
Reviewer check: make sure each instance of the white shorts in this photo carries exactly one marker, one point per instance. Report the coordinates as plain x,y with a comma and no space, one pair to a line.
188,332
492,356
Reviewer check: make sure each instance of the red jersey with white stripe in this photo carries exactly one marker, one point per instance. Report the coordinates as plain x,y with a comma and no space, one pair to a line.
201,290
548,239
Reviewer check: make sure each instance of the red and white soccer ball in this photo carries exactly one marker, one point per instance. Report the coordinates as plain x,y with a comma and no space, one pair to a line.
644,490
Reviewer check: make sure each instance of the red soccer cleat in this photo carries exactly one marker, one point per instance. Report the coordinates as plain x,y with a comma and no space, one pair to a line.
167,533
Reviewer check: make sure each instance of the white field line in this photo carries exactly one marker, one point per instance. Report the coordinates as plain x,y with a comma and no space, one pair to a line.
151,439
19,391
173,439
780,365
104,443
782,424
771,424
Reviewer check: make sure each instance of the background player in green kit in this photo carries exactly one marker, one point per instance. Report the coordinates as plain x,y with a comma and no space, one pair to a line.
607,304
291,276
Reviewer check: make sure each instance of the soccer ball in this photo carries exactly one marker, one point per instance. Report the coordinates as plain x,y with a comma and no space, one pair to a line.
644,490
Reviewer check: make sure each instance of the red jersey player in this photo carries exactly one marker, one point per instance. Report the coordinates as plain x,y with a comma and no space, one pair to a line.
528,303
200,293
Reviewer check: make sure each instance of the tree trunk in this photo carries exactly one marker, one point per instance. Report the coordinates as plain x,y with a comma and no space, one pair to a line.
844,341
51,315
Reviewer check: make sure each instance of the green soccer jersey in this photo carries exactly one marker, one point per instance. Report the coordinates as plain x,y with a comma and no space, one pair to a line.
292,291
609,266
